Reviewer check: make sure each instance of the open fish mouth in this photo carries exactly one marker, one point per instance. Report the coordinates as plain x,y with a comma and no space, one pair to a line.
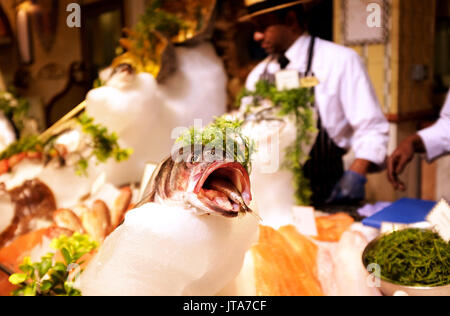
224,187
218,187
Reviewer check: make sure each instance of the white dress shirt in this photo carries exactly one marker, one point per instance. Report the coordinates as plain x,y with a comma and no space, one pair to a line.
345,98
437,137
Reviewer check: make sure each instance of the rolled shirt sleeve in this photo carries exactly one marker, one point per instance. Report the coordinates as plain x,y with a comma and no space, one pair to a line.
363,112
437,137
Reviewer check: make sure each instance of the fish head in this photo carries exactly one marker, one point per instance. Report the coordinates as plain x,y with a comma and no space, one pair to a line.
206,180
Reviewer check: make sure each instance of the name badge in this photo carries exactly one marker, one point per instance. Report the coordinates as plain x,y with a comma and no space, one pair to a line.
309,82
287,80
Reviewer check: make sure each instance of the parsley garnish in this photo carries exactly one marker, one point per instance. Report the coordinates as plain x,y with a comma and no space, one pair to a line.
224,135
101,143
145,43
104,145
50,278
24,144
14,107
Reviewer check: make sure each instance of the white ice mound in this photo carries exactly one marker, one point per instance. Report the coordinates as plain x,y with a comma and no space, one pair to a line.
341,271
198,89
144,113
68,188
274,202
132,110
165,250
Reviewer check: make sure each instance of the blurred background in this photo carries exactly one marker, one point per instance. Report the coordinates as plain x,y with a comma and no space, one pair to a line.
408,60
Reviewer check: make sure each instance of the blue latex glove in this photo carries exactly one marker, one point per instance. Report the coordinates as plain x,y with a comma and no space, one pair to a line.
351,188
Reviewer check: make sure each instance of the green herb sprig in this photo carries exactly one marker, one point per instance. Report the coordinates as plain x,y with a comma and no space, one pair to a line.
104,145
24,144
14,107
50,278
296,102
153,23
157,19
224,135
412,257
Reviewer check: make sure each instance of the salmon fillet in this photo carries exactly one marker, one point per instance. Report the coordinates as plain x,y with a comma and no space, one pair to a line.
330,228
285,264
12,256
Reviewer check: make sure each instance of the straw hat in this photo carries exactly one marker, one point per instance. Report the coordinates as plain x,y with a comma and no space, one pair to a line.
259,7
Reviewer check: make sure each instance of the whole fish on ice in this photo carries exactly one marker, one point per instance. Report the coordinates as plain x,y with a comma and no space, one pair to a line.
187,237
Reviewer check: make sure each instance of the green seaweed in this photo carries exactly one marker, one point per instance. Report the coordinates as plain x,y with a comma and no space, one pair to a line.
412,257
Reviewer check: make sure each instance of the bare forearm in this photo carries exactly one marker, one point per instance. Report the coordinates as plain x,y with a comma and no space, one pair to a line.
401,157
361,166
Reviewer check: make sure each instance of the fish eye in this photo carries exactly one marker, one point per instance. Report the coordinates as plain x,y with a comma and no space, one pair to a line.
195,158
214,154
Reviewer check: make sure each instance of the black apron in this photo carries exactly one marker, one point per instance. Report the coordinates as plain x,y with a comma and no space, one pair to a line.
325,167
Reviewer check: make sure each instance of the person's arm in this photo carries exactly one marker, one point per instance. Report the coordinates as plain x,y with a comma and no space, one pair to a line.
363,112
401,157
370,131
434,141
437,137
361,166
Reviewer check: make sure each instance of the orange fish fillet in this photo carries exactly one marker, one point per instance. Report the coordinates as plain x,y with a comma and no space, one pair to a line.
330,228
304,248
285,264
12,256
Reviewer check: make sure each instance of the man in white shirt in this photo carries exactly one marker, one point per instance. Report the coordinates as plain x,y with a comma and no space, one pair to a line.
433,141
349,113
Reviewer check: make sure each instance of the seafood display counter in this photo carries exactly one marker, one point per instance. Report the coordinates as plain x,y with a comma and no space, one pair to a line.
153,186
213,217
